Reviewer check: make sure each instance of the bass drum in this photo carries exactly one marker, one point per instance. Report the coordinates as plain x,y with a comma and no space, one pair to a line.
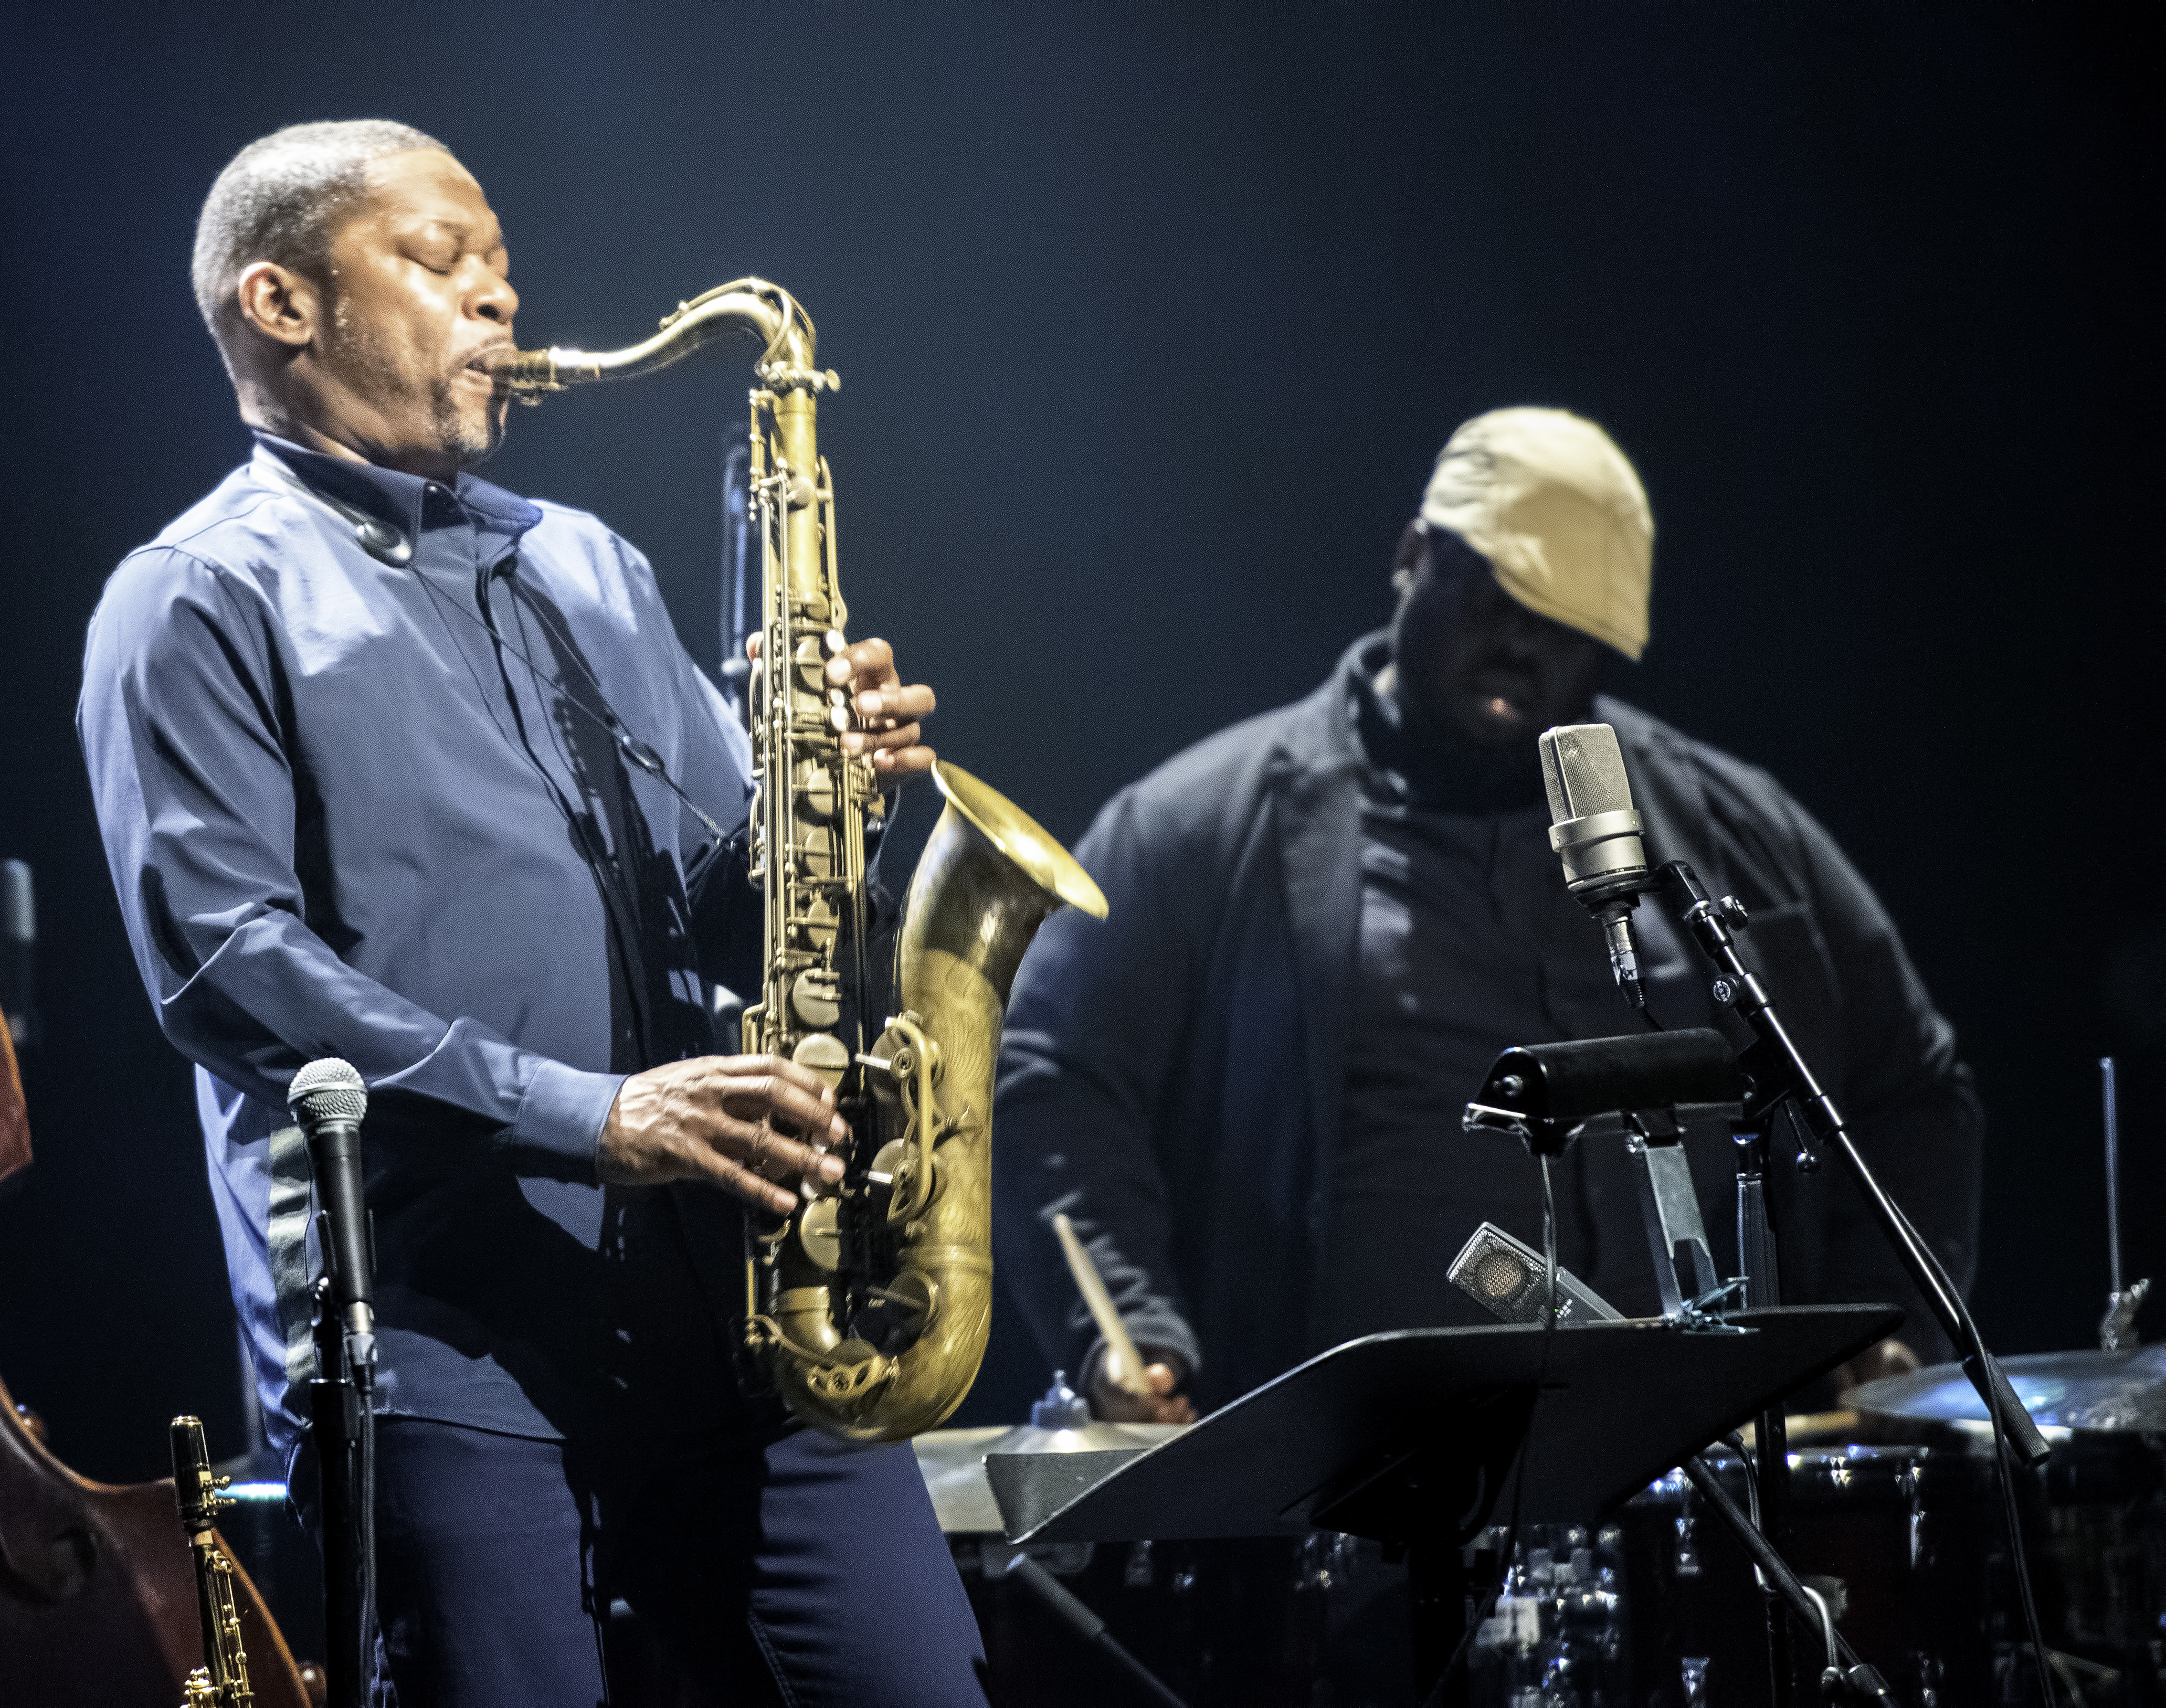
1657,1608
1898,1539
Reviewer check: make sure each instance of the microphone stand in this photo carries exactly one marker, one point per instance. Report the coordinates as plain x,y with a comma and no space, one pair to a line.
1777,1070
328,1099
1844,1677
346,1454
339,1396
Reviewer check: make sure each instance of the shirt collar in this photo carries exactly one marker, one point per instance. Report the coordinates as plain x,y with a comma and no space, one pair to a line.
405,500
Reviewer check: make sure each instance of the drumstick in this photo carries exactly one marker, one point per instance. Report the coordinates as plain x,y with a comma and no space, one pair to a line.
1124,1367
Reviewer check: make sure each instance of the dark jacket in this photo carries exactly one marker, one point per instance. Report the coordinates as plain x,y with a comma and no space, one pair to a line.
1172,1077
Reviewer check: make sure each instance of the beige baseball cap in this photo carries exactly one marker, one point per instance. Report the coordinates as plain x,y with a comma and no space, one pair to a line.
1550,500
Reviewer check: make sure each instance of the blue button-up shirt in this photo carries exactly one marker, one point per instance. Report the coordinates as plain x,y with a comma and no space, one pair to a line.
360,808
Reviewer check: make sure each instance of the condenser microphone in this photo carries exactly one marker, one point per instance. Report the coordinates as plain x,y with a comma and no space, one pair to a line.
1596,834
329,1099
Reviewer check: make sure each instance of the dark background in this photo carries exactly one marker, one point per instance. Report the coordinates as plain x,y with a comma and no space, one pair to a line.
1151,318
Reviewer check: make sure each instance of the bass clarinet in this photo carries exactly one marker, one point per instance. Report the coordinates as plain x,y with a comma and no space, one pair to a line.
222,1681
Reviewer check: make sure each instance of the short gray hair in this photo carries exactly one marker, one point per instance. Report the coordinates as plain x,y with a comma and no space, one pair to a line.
282,198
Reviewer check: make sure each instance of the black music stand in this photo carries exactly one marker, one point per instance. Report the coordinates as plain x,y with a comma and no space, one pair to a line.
1411,1438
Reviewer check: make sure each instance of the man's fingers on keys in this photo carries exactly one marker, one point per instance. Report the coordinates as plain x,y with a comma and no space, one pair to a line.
751,1088
884,708
772,1156
876,742
898,761
734,1178
869,662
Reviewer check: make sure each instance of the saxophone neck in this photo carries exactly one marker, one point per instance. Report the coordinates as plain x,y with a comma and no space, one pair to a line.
749,305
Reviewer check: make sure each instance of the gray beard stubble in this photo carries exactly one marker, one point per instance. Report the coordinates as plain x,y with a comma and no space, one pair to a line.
468,445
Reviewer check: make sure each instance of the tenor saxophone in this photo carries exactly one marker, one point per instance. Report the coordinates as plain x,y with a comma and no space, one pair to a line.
868,1307
222,1681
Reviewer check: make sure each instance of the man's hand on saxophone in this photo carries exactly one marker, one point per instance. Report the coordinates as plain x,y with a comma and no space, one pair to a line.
727,1120
715,1118
889,713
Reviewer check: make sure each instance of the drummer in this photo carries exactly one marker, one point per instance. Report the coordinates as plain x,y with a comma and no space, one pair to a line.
1244,1086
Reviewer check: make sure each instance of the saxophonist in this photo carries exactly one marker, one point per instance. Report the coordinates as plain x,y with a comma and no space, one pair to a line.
393,765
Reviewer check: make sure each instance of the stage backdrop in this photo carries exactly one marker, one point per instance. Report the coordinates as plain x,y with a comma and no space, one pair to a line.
1150,319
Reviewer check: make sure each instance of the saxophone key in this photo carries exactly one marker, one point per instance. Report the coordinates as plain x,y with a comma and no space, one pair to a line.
813,850
813,785
825,1055
815,997
817,1233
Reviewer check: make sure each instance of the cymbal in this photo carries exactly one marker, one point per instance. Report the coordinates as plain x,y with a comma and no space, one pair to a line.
2116,1392
952,1462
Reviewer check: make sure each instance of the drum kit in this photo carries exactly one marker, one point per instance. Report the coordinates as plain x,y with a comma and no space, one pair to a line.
1892,1520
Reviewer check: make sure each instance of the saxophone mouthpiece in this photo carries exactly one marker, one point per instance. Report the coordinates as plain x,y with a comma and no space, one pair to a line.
525,371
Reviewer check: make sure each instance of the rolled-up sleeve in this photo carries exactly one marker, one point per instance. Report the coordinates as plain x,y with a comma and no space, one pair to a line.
183,728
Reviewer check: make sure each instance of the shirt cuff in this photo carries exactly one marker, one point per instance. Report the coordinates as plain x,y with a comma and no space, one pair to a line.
558,1128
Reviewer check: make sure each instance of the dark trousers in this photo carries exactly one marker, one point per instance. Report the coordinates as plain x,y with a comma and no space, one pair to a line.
795,1571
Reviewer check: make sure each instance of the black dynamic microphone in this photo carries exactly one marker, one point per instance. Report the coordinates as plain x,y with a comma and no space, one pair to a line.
1596,833
328,1099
